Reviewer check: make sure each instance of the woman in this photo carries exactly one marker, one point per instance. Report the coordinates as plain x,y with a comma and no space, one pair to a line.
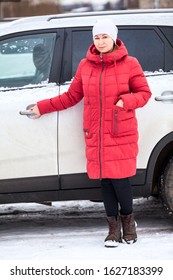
113,86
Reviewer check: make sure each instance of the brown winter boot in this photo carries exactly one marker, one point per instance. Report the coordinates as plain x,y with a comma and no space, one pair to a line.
129,228
114,235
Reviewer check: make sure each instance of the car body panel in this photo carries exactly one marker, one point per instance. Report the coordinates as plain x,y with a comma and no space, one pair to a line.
151,128
28,148
70,140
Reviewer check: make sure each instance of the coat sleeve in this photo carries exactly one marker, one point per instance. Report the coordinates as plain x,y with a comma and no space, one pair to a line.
66,99
140,91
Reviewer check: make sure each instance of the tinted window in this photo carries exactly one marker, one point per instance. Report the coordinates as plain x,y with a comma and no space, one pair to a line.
26,59
81,40
168,32
168,37
145,44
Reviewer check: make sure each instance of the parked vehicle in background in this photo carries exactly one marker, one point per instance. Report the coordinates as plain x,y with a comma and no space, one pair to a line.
45,160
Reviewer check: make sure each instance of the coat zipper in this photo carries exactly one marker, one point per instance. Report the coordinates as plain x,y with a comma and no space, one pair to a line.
100,128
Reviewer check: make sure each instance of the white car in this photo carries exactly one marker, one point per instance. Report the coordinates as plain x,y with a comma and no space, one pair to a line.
44,160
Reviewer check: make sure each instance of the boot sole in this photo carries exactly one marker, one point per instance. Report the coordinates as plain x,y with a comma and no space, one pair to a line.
111,244
129,241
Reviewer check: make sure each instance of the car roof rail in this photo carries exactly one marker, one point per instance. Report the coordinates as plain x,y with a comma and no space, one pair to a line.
48,18
111,12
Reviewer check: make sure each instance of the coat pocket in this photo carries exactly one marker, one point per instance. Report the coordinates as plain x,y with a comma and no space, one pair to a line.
123,122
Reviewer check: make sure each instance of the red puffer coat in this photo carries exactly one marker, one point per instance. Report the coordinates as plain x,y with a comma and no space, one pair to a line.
110,132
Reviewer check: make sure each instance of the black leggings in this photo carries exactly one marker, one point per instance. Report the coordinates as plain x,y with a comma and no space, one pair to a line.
117,193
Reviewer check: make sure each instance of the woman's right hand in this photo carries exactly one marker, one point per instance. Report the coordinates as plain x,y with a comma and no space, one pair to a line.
35,111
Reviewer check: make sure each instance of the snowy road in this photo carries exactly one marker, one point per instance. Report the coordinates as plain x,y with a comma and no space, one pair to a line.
39,232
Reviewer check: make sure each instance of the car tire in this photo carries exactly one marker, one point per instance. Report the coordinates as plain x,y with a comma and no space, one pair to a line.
166,187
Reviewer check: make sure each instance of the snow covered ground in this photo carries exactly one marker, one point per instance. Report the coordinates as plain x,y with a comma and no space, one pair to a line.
70,235
38,232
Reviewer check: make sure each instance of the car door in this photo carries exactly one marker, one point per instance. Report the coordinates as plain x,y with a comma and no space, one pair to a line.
28,148
71,144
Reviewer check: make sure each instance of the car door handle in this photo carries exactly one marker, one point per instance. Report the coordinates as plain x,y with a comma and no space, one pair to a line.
166,96
27,112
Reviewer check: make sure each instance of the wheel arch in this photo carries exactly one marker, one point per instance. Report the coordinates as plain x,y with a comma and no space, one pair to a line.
157,162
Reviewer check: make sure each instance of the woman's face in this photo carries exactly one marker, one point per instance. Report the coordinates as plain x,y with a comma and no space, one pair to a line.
104,43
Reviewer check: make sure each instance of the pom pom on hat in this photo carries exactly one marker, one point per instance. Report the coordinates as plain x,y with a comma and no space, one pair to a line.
105,26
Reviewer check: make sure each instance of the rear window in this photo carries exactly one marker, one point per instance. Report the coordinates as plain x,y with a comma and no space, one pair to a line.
168,33
146,46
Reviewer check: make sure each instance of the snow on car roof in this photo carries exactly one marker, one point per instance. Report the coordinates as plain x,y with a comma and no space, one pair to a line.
159,17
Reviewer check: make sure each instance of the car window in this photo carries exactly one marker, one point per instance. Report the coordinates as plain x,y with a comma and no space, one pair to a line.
168,32
168,36
26,59
145,44
81,40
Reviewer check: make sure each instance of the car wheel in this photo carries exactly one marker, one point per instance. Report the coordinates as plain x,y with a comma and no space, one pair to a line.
166,187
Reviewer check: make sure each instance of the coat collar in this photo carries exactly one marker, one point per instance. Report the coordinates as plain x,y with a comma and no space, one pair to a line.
108,58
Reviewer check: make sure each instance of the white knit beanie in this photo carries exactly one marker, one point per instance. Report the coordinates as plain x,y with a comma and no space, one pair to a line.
105,26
